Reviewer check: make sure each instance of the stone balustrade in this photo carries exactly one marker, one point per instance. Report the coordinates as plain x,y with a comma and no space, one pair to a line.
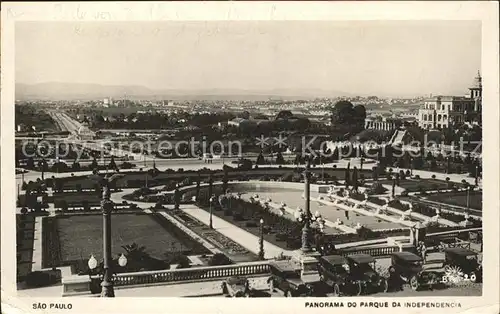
80,285
373,251
454,232
74,285
191,274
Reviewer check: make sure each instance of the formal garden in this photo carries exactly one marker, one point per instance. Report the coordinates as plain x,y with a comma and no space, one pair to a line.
71,240
459,198
150,241
25,226
234,251
154,177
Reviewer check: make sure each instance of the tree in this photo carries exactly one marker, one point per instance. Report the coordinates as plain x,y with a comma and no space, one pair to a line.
94,164
112,164
284,115
219,259
244,115
64,206
210,185
30,163
198,182
181,260
355,179
245,164
347,176
375,173
225,180
342,113
260,159
279,159
86,206
298,159
359,115
177,197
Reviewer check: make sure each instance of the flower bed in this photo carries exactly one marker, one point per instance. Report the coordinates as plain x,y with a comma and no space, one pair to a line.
376,200
366,234
76,199
51,249
357,196
398,205
424,210
452,217
376,188
278,230
234,251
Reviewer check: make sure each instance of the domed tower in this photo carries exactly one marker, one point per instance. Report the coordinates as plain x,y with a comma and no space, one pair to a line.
476,93
476,89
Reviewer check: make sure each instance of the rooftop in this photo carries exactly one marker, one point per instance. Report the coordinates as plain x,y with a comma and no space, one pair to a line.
460,251
361,258
408,256
447,98
334,259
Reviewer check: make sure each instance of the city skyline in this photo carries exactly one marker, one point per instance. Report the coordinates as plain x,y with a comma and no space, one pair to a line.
410,58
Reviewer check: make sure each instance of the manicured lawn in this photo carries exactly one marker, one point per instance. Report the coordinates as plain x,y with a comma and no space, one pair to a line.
81,236
413,185
460,199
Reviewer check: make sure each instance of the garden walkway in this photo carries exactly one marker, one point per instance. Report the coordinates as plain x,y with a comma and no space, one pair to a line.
244,238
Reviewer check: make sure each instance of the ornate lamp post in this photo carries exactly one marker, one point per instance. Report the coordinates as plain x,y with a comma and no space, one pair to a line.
42,154
468,196
261,240
212,200
210,183
320,221
177,196
122,260
107,207
92,263
306,216
302,217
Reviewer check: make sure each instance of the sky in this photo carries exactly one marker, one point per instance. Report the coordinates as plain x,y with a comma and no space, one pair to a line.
357,57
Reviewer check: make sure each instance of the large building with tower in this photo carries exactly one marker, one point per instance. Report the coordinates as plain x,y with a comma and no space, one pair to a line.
440,112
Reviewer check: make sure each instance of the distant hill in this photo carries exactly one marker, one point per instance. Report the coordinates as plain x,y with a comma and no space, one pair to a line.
77,91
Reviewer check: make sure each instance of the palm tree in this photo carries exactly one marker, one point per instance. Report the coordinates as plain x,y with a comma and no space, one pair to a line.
135,253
